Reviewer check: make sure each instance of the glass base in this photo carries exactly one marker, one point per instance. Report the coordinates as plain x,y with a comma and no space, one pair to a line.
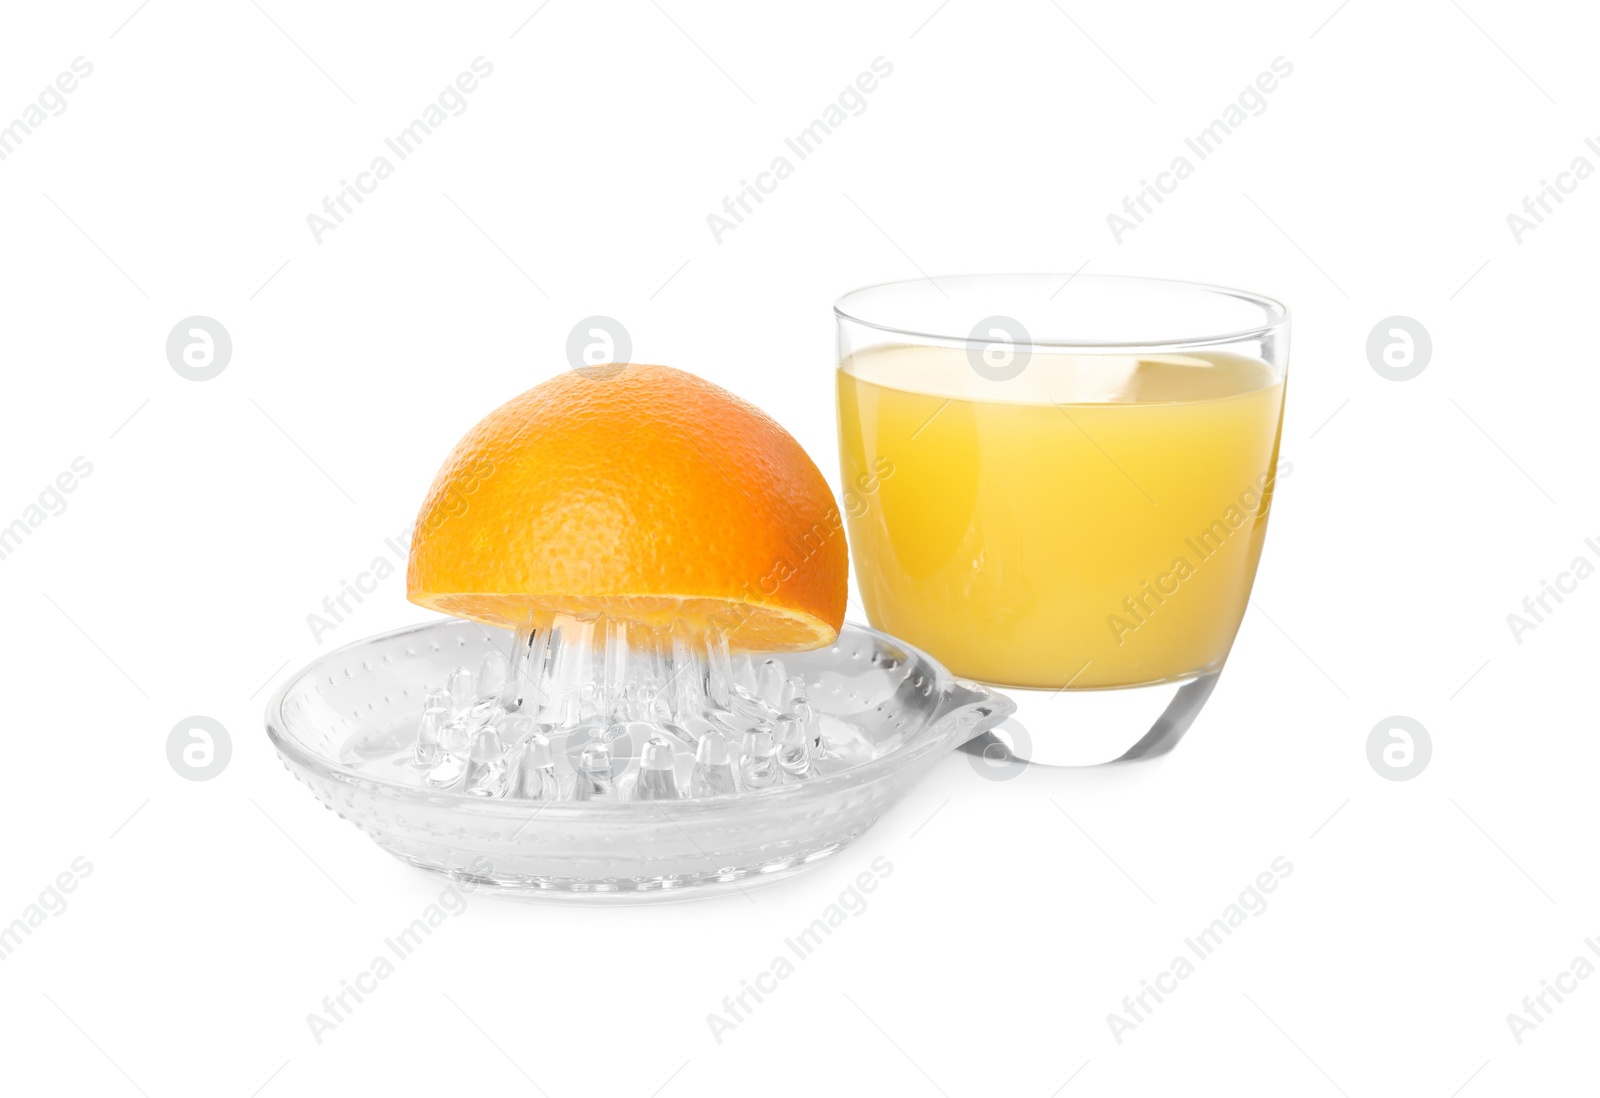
1093,727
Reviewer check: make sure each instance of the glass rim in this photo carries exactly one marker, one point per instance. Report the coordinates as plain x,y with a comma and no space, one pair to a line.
1276,314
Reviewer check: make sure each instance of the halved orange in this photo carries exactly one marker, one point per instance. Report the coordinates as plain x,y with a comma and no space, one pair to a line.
639,493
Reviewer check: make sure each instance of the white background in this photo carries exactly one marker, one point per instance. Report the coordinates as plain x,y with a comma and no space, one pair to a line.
218,515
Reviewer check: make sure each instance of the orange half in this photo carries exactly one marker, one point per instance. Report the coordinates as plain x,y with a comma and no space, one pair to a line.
642,494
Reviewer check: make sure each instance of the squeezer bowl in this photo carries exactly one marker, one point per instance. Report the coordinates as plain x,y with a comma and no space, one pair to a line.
338,722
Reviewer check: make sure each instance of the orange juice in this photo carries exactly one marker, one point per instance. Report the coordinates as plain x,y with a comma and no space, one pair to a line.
1095,520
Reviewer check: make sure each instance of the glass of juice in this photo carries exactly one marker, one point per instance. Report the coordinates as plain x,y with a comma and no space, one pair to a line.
1059,485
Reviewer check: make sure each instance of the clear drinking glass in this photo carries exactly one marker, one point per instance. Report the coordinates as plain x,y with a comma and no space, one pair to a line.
1060,485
